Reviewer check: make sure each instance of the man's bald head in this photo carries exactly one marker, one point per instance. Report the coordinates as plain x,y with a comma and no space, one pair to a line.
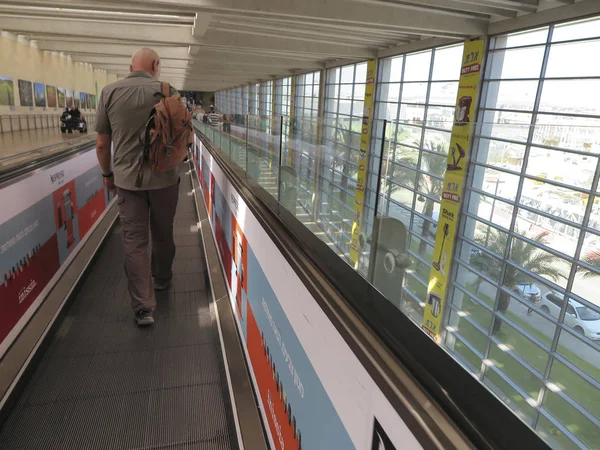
146,60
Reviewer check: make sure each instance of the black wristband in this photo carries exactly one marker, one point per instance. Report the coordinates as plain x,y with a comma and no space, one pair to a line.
108,175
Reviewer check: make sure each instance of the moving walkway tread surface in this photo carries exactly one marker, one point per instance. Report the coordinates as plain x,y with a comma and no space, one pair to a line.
104,383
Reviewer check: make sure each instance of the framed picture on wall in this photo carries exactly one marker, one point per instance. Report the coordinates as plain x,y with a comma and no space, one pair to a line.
62,97
7,91
51,96
76,99
83,100
40,94
69,101
26,93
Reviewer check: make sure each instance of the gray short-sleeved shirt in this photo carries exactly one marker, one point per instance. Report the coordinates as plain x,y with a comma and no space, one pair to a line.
123,111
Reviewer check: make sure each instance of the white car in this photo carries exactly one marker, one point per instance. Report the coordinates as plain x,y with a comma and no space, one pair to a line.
579,317
528,291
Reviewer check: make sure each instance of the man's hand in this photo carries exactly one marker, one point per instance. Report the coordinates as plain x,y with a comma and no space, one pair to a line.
109,183
103,143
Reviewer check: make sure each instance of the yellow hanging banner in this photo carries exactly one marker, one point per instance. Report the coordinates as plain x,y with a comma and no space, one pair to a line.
363,160
458,157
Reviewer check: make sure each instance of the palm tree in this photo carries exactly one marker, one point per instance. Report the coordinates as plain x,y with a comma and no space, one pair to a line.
523,254
591,259
432,161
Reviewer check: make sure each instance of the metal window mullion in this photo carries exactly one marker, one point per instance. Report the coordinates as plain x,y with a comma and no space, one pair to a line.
513,222
456,334
572,274
473,297
415,255
592,381
564,430
590,77
569,41
554,183
395,144
422,141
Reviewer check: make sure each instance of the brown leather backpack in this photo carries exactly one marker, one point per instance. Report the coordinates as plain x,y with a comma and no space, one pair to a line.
169,133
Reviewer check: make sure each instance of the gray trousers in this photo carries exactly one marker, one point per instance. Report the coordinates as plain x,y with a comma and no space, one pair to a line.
143,213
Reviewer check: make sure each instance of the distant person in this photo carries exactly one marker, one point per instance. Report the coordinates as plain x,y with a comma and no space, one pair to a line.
213,117
226,123
145,205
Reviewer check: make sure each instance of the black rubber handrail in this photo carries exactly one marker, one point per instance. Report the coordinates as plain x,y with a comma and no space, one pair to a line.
41,161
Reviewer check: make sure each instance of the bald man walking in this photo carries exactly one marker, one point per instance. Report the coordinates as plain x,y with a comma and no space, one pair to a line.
123,111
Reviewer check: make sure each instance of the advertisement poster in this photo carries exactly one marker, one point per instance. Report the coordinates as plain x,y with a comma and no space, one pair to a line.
58,208
458,158
39,94
7,91
51,96
62,95
291,392
363,160
313,392
25,93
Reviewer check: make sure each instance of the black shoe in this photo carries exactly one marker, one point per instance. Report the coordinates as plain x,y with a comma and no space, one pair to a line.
144,318
160,285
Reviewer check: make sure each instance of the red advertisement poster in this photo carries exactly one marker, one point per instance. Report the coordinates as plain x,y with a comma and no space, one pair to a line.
282,422
65,209
90,211
24,282
223,248
240,263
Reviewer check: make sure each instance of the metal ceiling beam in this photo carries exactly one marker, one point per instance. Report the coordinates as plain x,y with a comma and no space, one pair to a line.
124,68
571,11
452,6
223,39
289,22
308,33
103,5
408,18
77,49
321,37
111,49
175,34
97,61
213,60
179,35
13,11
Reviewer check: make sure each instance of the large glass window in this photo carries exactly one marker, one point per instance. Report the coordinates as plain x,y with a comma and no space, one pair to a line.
254,100
306,134
344,98
245,99
416,94
524,311
307,95
266,98
283,89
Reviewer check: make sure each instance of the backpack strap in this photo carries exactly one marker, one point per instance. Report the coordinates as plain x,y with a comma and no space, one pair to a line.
165,89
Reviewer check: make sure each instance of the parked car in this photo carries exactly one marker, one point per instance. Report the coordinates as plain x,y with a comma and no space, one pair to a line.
582,319
528,291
